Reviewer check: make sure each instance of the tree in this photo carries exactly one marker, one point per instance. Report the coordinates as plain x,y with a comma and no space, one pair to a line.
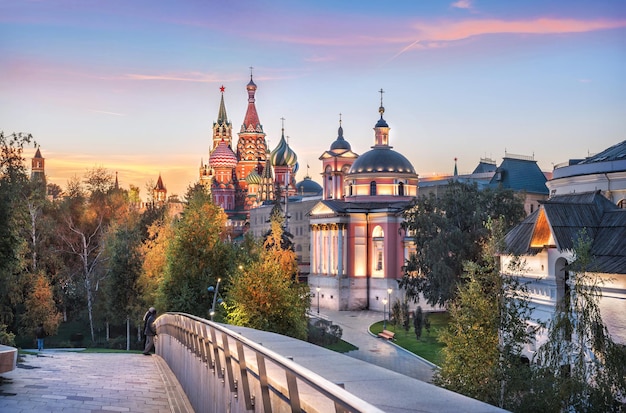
489,325
265,294
85,216
40,308
580,365
196,256
449,231
418,322
13,245
124,268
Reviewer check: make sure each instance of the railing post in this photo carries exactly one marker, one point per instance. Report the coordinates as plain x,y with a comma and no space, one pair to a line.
265,388
243,373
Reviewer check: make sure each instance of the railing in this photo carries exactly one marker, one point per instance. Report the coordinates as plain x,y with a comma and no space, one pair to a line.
220,370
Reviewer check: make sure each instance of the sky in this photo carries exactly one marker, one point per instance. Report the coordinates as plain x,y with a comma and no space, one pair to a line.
134,86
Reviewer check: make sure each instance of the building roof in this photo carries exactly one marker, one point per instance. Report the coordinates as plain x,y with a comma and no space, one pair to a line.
520,174
340,207
308,187
223,156
382,159
562,219
614,153
282,155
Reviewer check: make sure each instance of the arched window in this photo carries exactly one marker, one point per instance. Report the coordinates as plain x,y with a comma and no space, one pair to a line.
373,188
401,189
378,239
350,190
622,203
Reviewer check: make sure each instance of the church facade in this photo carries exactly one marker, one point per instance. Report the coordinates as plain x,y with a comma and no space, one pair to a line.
358,247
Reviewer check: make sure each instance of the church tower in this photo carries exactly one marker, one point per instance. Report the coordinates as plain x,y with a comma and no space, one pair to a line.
251,146
222,128
159,193
38,170
336,163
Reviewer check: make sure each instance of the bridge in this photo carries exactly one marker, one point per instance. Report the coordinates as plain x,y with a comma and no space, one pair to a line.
209,367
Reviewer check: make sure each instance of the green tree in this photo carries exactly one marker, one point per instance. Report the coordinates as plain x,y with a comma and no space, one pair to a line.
124,264
13,245
489,325
196,256
580,365
418,322
265,294
448,231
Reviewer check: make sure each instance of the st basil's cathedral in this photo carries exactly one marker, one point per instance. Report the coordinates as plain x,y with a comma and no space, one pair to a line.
243,178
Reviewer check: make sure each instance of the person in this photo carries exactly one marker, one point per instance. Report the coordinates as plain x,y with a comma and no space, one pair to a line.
40,334
149,330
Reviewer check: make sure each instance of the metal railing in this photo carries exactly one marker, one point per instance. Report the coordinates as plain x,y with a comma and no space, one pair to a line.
220,370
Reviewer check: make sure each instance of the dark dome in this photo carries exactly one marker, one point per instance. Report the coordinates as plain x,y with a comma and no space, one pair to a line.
340,143
381,160
308,187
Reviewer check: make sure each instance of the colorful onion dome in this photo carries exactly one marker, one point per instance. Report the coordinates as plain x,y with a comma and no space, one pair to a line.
295,168
282,155
223,156
254,178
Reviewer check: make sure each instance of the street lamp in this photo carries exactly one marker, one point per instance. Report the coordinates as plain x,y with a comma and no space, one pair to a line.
215,292
389,290
318,299
384,314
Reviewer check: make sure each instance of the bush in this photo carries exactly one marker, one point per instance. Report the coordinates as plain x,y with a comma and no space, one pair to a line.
323,332
6,338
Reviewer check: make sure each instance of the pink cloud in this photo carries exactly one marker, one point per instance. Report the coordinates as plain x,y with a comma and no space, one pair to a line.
462,4
178,77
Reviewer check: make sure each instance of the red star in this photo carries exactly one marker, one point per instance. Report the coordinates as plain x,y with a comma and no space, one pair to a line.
222,88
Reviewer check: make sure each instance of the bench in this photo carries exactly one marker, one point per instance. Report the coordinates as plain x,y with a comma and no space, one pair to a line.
387,334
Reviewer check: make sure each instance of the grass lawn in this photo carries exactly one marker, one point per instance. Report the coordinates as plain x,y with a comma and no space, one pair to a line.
428,346
341,347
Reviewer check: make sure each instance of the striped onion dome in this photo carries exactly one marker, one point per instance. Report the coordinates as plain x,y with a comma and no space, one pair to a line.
282,155
254,178
295,168
223,156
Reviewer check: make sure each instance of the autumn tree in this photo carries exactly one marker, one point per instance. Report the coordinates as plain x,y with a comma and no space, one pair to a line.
448,231
265,293
40,307
196,256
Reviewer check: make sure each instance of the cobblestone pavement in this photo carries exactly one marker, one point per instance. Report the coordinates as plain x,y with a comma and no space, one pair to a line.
64,381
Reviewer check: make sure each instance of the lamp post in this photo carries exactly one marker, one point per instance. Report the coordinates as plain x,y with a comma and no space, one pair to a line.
318,299
389,290
384,314
215,292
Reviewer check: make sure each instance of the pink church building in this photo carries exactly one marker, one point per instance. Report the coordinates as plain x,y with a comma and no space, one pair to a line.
358,247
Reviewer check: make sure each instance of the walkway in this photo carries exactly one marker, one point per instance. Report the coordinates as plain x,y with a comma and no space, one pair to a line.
64,381
374,350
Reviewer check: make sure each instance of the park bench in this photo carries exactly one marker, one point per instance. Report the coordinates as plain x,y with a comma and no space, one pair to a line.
387,334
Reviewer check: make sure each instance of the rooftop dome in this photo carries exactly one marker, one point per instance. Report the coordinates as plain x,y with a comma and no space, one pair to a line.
382,159
253,178
340,143
282,155
223,156
308,187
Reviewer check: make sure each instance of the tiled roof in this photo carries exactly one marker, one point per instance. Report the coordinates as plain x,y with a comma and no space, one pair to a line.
614,153
520,175
568,216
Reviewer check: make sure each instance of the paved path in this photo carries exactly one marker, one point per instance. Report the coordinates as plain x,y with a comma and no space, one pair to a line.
62,381
374,350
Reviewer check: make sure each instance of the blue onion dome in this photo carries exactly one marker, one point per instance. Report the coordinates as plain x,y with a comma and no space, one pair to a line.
223,156
254,178
282,155
340,143
308,187
296,168
382,159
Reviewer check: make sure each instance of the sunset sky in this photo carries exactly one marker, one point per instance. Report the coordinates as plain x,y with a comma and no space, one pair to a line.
133,86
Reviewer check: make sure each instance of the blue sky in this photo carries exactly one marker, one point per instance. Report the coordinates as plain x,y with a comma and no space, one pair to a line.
133,86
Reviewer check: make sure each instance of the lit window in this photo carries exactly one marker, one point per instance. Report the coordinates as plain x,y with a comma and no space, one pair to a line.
373,188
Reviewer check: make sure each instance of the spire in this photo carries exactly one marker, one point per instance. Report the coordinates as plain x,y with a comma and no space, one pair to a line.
117,185
221,114
456,172
381,128
251,121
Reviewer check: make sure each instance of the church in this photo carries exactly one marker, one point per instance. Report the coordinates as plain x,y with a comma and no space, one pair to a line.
242,177
358,246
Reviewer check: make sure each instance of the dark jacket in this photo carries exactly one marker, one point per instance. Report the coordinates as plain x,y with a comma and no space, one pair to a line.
150,329
40,332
